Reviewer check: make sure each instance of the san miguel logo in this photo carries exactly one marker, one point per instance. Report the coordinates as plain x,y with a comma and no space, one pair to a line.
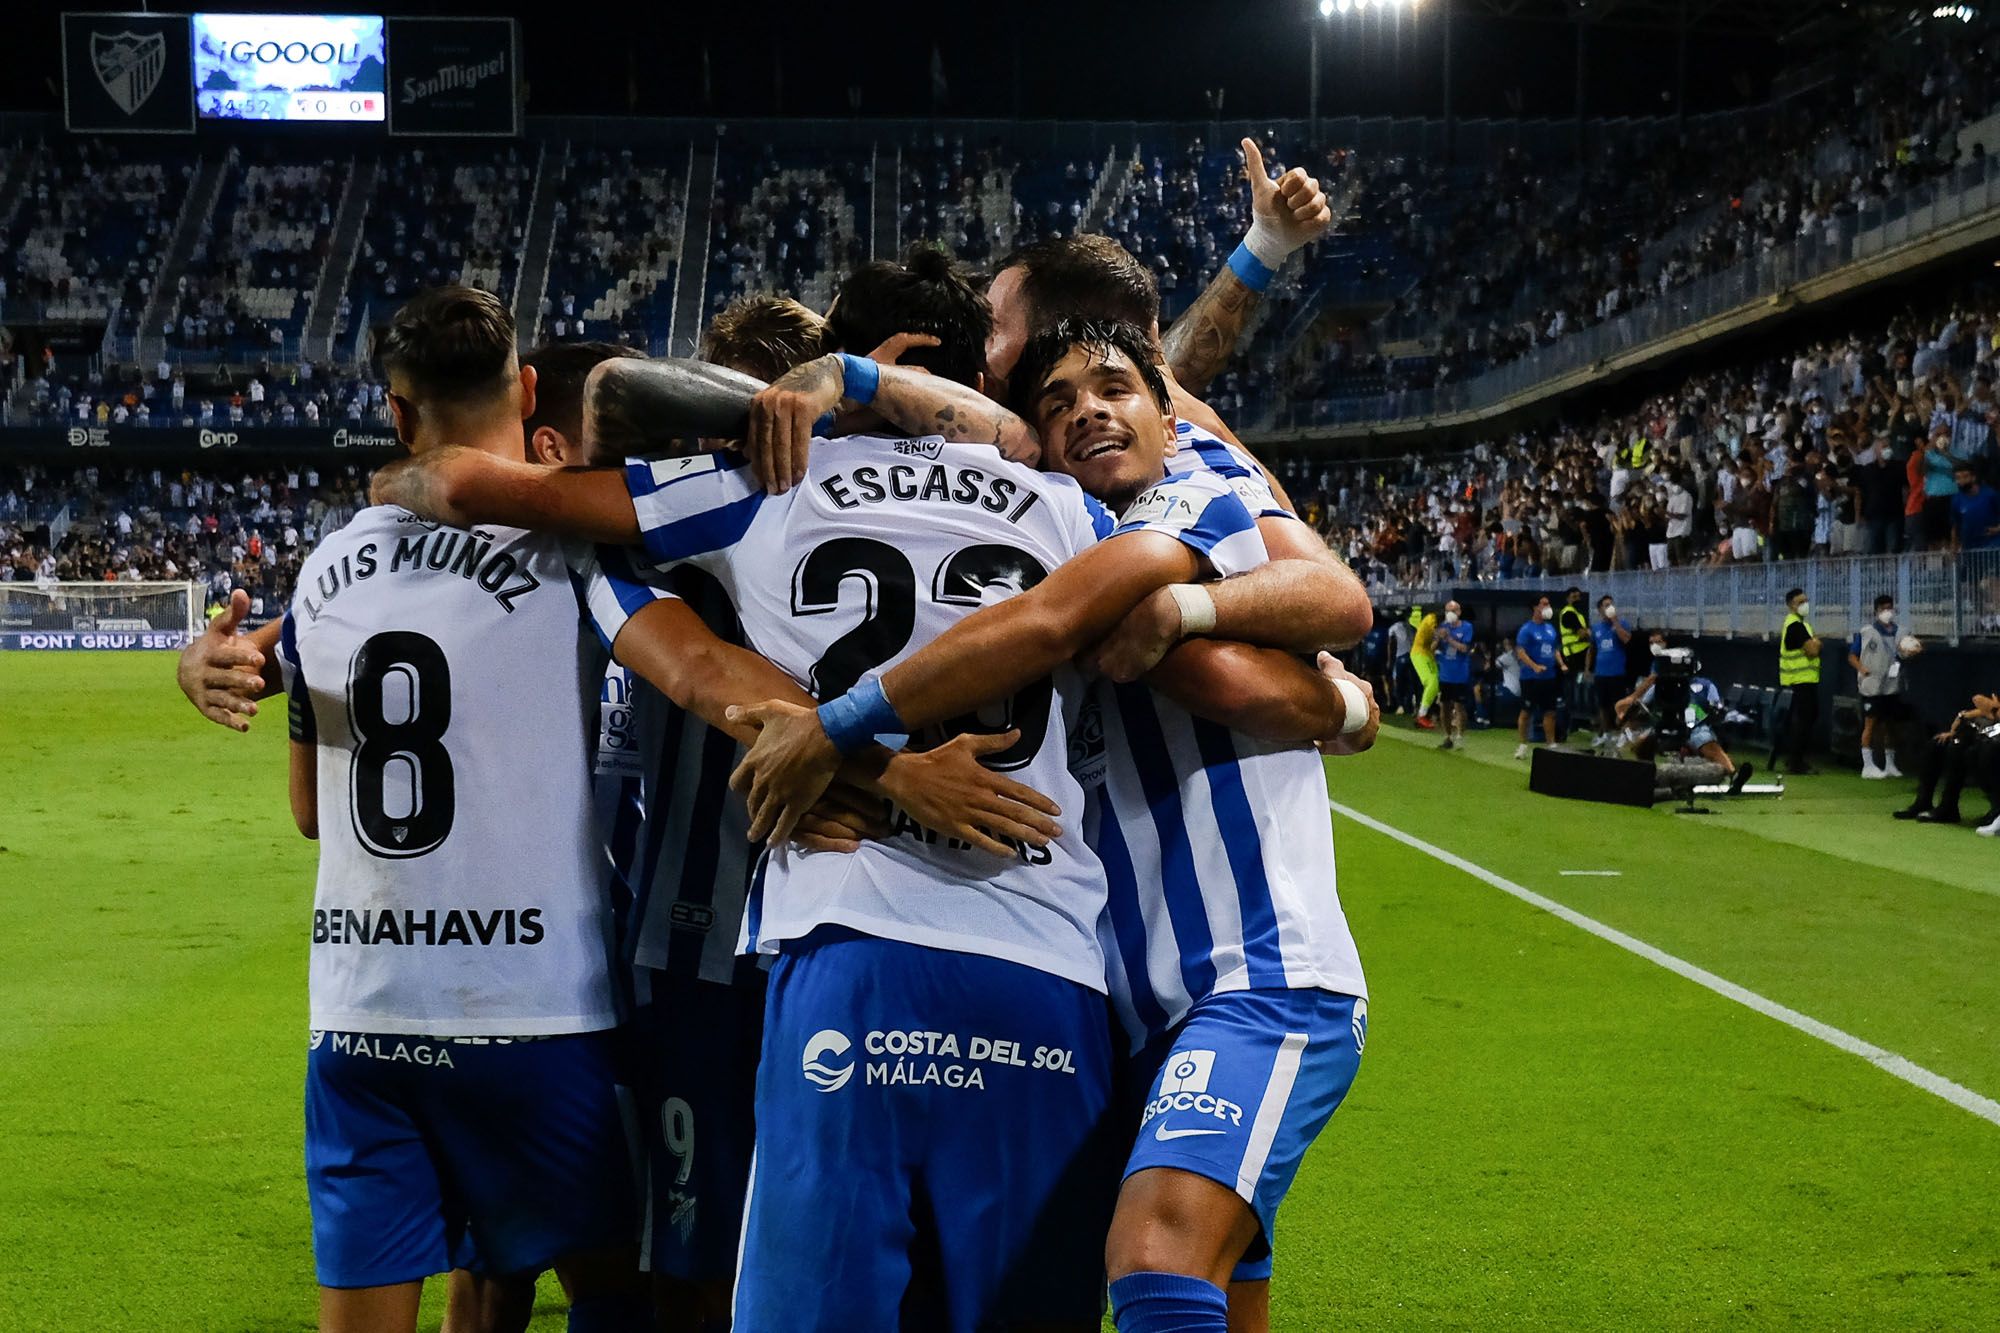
129,65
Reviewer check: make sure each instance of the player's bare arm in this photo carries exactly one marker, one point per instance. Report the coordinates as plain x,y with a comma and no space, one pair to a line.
783,418
1286,213
1268,694
945,789
1300,605
463,487
989,655
224,672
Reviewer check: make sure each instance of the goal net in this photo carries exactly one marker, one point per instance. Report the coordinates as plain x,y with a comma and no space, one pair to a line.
99,615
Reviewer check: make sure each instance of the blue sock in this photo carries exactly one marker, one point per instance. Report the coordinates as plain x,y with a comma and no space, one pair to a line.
1168,1303
611,1312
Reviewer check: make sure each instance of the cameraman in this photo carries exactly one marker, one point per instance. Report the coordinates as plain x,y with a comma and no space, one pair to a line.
1694,731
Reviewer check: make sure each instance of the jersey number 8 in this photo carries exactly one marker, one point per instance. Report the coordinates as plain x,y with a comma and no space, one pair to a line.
399,780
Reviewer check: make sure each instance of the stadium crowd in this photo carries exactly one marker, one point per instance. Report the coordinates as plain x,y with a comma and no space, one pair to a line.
1526,253
1865,444
241,529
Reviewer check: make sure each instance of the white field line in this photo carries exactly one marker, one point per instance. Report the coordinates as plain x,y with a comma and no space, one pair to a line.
1592,874
1888,1061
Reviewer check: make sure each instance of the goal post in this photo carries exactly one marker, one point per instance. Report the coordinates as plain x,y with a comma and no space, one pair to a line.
55,616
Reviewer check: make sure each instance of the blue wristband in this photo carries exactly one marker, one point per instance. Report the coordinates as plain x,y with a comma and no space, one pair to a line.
859,716
859,378
1250,270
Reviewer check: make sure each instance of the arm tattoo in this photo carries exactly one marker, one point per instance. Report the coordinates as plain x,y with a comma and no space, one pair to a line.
1200,342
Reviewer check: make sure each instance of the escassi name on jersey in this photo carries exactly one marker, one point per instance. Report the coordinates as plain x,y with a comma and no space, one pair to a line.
438,551
502,925
939,482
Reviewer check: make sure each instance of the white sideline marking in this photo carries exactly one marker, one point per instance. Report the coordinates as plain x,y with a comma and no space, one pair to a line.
1604,874
1888,1061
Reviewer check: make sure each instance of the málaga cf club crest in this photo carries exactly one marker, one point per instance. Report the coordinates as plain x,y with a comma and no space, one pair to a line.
129,65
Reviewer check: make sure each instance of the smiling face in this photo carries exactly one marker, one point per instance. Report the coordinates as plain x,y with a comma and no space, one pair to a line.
1101,423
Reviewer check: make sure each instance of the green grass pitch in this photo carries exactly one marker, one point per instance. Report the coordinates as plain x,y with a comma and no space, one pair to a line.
1548,1131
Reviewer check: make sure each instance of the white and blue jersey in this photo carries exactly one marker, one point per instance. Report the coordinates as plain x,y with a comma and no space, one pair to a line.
1197,450
887,544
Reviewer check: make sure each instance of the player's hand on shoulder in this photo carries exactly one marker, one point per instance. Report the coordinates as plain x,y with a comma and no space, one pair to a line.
950,791
782,418
787,768
220,672
1356,742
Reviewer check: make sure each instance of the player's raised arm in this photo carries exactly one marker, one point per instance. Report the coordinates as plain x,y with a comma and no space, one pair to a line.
1286,214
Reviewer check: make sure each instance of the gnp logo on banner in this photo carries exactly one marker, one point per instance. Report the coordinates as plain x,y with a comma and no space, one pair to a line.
128,65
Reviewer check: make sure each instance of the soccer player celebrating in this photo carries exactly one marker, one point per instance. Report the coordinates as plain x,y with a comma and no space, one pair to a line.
459,1084
1229,960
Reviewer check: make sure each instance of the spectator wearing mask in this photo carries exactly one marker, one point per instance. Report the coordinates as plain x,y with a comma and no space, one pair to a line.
1798,671
1967,750
1877,655
1535,646
1975,512
1608,664
1454,668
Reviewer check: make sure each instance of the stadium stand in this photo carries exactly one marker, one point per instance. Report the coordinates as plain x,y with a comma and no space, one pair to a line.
619,216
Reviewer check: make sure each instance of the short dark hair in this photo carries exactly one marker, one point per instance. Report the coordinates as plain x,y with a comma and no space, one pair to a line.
1103,336
763,335
1602,600
453,344
1087,277
1884,601
560,371
927,293
1794,595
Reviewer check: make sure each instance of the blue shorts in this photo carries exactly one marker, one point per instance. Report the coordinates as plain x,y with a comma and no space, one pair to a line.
430,1153
938,1150
695,1051
1241,1088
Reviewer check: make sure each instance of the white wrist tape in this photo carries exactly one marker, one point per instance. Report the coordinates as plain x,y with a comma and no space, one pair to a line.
1264,242
1197,607
1357,706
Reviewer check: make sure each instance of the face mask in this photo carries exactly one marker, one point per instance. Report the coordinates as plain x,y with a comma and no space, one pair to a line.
1451,617
1886,617
1545,614
1804,609
1611,613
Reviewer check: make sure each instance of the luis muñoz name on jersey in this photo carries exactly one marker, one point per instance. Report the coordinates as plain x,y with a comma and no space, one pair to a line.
436,550
468,926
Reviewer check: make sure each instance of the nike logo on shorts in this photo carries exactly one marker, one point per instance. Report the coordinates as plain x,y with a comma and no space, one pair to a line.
1163,1134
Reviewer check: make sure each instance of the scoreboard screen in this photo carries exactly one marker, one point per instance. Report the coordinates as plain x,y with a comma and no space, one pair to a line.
301,67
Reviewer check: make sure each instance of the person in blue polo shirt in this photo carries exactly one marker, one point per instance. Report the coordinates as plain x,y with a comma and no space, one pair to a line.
1453,647
1608,637
1975,511
1541,670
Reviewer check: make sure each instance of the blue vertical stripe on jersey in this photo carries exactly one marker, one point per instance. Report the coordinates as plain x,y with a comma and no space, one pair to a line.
706,531
1128,924
701,856
1180,880
753,905
1102,522
1262,953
